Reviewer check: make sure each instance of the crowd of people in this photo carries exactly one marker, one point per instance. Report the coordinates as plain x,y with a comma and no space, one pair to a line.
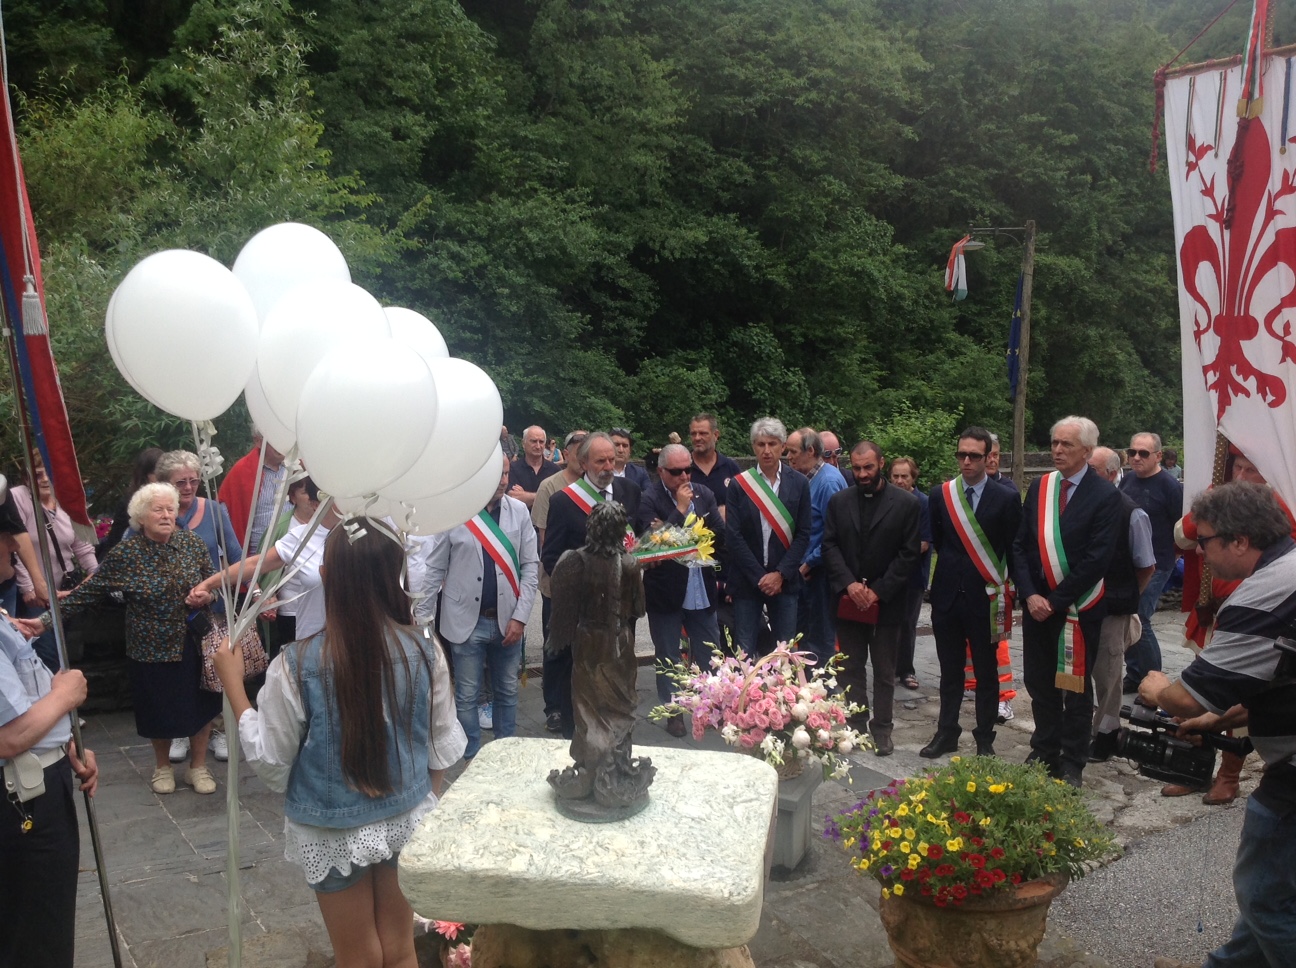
815,543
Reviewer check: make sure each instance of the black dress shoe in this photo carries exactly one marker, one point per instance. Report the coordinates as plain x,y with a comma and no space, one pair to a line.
1072,776
882,746
941,744
675,726
1103,747
1052,767
985,747
553,722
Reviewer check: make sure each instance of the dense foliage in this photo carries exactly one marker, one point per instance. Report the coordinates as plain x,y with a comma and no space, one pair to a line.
629,212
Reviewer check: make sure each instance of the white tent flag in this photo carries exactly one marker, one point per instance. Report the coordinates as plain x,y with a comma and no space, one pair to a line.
1235,244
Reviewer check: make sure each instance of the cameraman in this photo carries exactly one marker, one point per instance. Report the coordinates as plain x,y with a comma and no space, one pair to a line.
1241,677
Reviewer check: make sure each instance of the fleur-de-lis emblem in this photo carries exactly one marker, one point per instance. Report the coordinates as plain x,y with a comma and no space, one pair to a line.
1240,246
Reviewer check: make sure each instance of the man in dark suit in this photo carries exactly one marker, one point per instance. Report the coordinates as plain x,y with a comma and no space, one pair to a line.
870,544
973,523
1059,582
565,531
767,534
679,597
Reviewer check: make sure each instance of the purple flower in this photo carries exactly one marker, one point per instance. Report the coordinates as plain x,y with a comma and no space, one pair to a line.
887,870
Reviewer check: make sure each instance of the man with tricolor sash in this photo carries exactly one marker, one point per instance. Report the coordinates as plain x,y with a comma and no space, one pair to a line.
567,518
1069,527
486,572
767,533
973,521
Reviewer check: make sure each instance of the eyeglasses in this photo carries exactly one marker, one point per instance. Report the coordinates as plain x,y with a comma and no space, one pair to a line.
1134,452
187,482
674,471
835,452
620,432
1204,539
965,455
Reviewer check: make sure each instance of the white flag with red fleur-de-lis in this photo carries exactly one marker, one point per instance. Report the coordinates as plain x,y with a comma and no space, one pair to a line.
1235,243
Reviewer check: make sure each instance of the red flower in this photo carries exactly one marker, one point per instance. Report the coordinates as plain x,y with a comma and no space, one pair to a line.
959,891
886,845
977,841
925,874
961,817
926,890
940,902
1016,878
977,861
906,875
983,878
1048,835
935,852
996,852
945,870
998,876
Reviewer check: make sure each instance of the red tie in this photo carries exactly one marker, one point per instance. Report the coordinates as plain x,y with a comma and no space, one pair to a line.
1062,501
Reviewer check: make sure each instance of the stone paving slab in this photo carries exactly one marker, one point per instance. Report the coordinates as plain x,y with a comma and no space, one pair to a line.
166,860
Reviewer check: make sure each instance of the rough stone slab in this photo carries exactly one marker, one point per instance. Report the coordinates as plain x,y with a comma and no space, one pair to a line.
692,865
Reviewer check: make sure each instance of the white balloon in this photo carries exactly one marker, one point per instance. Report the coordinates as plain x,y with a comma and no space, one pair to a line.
284,256
366,414
185,331
111,339
281,438
371,506
469,417
307,323
441,512
416,330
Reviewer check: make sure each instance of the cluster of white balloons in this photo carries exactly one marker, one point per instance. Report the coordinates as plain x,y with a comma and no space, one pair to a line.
381,415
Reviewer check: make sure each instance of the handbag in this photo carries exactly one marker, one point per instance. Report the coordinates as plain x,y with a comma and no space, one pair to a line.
848,610
214,631
72,578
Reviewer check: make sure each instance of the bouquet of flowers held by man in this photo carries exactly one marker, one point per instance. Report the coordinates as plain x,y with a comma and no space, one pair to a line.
691,544
778,706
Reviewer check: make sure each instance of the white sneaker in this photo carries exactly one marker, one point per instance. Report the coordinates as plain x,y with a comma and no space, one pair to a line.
179,750
486,716
200,779
1005,711
219,745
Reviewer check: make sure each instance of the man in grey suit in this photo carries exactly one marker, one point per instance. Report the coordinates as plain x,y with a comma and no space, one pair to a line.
486,571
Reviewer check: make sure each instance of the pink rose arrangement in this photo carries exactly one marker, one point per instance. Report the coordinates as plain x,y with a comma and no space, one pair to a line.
780,705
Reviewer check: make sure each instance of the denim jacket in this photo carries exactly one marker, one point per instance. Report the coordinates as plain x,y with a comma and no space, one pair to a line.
318,792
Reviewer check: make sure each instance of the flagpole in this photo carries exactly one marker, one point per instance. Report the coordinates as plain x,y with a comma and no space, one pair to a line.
1023,361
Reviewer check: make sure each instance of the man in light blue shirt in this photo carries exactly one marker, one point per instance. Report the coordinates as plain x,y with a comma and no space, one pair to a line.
805,452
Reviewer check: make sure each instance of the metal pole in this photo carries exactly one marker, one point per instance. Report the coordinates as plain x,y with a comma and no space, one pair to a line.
1023,362
42,543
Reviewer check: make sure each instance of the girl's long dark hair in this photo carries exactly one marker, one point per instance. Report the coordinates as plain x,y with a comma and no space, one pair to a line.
363,606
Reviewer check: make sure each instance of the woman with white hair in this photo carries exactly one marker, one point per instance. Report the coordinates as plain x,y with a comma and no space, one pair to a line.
153,571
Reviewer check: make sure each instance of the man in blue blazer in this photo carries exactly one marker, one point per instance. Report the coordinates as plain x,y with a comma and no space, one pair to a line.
767,533
1059,583
973,523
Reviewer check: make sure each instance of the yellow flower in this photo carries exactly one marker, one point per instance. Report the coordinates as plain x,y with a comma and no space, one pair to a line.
849,842
895,832
997,788
902,810
898,890
955,759
914,861
1079,842
922,848
985,821
971,787
905,847
863,863
886,892
955,845
911,834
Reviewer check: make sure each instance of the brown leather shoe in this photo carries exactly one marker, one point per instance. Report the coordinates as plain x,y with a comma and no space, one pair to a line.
1225,788
1176,790
675,726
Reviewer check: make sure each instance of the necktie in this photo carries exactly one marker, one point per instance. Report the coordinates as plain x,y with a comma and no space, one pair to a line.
971,496
1066,491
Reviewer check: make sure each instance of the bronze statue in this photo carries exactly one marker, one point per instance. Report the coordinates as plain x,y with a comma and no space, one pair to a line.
597,594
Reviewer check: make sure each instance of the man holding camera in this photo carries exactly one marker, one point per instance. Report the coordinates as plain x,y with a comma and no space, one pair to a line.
1247,676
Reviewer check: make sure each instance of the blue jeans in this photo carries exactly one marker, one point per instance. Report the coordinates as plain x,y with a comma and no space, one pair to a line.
814,615
747,620
699,626
1144,656
486,642
1264,880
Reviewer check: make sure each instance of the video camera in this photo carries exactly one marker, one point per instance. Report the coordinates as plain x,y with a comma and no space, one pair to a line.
1150,741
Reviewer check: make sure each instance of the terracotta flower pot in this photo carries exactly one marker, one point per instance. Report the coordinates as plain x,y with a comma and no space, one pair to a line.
1002,930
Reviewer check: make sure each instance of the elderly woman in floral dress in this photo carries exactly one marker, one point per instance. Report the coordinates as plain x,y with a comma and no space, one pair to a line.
153,571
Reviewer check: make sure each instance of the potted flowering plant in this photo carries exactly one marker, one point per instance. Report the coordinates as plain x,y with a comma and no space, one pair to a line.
969,858
778,706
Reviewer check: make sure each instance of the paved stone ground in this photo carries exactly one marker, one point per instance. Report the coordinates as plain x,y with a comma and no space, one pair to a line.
166,858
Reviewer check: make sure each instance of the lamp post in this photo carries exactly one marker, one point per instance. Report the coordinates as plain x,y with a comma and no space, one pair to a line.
1023,350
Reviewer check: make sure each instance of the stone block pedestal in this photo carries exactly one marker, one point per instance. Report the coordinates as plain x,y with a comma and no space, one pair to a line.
794,829
690,866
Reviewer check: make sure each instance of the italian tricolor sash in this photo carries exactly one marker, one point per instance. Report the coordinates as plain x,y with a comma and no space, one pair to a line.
584,494
771,508
993,567
499,547
1071,643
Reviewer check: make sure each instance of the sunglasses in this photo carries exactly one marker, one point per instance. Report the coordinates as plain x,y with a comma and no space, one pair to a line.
189,482
1133,452
674,471
835,452
966,455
